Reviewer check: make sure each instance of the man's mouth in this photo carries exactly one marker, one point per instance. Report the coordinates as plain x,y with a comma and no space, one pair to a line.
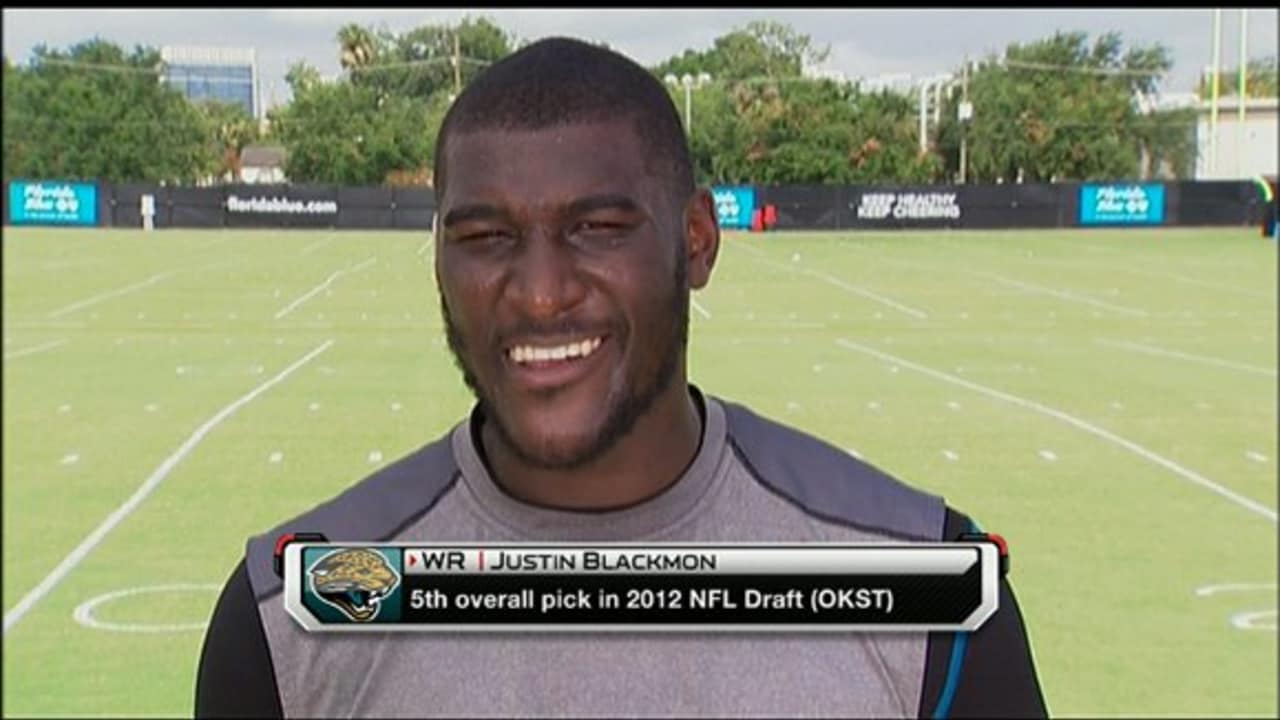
535,354
542,366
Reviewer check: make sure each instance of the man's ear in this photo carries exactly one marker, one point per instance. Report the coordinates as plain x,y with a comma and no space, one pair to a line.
702,236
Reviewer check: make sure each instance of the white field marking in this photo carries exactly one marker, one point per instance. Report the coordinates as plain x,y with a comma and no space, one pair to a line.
1201,283
328,281
1247,620
873,405
110,294
425,246
83,613
275,457
953,404
34,350
1256,456
1061,294
64,409
1204,359
313,406
1048,455
395,407
950,455
375,456
317,245
86,546
848,287
1207,590
70,459
1135,448
701,310
181,369
853,452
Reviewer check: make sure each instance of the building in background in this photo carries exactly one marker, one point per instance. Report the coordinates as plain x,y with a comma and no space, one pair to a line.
1238,151
215,73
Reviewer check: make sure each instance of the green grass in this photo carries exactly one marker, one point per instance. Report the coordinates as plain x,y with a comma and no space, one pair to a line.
1109,545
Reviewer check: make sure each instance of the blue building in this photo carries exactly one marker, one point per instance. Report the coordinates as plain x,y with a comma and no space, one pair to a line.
215,73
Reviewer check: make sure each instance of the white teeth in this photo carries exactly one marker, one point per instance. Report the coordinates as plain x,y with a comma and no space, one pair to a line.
528,353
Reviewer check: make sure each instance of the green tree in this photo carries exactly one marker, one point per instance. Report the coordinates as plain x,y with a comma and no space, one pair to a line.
420,62
343,133
1260,80
1064,109
230,129
95,112
761,49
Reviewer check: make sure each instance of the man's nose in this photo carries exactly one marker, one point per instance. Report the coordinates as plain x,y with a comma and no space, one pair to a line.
545,281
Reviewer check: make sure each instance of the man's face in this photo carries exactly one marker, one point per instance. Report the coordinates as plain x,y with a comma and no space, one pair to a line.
561,268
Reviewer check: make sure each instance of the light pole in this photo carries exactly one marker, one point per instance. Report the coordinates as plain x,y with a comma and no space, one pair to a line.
689,82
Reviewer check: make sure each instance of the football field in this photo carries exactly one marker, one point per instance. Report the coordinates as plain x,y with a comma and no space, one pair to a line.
1106,400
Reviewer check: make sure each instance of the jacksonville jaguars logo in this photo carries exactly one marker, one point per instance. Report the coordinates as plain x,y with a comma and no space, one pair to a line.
355,581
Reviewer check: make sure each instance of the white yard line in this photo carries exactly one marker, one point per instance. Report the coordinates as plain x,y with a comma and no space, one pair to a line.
34,350
317,245
1205,359
1183,472
81,304
425,246
110,294
701,310
1061,294
313,291
89,543
843,285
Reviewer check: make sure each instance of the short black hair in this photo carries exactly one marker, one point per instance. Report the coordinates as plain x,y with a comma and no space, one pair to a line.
561,81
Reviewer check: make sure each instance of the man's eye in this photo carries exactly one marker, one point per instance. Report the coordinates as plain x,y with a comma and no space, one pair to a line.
599,228
485,236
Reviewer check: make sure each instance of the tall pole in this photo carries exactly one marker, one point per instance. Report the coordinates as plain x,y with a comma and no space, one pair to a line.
924,117
964,123
1213,93
457,65
688,107
1240,96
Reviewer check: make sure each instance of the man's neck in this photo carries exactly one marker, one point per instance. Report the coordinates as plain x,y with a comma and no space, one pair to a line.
647,460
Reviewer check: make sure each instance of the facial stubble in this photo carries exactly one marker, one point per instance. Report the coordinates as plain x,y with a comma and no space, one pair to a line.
636,398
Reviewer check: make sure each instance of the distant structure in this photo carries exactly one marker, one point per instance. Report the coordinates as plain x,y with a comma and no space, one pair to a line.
215,73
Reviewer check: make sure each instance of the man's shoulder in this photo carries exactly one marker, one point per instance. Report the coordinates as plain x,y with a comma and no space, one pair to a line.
376,508
828,482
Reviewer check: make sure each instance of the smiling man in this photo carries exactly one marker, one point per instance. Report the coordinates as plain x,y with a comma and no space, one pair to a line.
571,236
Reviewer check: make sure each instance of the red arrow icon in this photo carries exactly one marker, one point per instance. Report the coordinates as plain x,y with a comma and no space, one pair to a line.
413,559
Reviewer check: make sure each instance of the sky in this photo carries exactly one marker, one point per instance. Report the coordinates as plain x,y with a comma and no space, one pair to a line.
864,43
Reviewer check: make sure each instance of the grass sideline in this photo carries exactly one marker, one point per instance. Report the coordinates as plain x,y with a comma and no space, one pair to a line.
971,364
